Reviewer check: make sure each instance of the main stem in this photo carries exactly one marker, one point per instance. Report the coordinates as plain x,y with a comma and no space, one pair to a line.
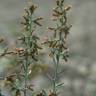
26,71
56,60
56,63
28,46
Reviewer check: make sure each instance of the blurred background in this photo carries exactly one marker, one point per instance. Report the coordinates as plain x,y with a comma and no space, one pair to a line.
80,71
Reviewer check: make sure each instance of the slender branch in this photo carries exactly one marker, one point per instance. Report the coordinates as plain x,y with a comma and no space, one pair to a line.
58,44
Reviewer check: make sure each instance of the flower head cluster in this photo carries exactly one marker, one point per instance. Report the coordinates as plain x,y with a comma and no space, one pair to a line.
29,39
58,43
28,21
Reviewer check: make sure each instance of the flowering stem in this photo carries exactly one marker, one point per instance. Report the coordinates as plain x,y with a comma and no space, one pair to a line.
58,43
28,47
30,41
